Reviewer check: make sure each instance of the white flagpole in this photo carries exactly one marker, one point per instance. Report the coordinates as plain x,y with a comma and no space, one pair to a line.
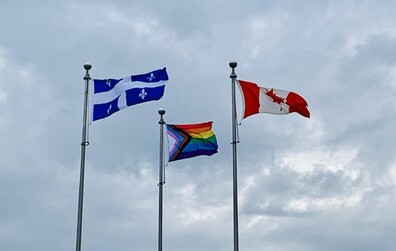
161,112
233,76
84,143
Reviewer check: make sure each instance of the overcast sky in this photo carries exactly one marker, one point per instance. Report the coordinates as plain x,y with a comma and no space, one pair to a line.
325,183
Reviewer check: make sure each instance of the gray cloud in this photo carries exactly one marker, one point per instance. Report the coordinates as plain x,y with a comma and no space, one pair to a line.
326,183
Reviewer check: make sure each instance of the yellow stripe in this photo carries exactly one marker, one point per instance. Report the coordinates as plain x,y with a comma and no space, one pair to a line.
202,135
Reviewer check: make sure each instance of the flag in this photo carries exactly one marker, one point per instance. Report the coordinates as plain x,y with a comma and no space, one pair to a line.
190,140
269,100
111,95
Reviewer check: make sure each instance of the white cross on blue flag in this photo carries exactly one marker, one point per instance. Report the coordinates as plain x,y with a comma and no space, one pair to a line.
111,95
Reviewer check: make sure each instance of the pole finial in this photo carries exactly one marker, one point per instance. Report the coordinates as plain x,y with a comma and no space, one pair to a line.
87,66
233,64
161,111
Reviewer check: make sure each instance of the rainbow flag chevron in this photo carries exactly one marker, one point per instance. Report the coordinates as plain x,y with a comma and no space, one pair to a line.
190,140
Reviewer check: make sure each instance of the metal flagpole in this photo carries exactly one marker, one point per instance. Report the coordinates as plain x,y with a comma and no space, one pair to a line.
161,112
84,143
233,76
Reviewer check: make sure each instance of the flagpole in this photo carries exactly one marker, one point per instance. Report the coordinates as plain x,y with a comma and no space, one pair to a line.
161,112
84,143
233,76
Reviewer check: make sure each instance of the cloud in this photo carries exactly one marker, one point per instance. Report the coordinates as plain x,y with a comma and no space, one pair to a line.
325,183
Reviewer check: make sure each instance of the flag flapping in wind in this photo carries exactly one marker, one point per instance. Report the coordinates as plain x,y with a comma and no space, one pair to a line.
111,95
258,99
190,140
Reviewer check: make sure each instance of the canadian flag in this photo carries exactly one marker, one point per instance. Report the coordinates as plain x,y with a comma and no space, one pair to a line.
258,99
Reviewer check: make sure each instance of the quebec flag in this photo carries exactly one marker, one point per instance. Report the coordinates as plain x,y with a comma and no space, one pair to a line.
111,95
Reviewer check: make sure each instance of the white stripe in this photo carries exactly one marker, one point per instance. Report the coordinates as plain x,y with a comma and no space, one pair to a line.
120,88
242,97
122,103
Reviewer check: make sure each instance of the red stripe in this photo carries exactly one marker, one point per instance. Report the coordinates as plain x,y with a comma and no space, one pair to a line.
205,126
250,93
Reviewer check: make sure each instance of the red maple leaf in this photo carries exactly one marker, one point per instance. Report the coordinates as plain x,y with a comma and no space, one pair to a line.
275,98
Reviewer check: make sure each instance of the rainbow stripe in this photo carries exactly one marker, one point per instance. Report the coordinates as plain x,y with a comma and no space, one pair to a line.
190,140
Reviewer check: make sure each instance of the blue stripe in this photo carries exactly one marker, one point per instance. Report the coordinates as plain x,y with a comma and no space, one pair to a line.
186,155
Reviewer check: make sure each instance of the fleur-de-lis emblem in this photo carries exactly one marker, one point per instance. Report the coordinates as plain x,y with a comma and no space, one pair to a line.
108,82
143,94
151,77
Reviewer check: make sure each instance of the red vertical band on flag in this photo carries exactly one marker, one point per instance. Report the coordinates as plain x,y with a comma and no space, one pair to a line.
297,104
250,93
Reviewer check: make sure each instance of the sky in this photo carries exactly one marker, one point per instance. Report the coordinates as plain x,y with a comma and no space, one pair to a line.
325,183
